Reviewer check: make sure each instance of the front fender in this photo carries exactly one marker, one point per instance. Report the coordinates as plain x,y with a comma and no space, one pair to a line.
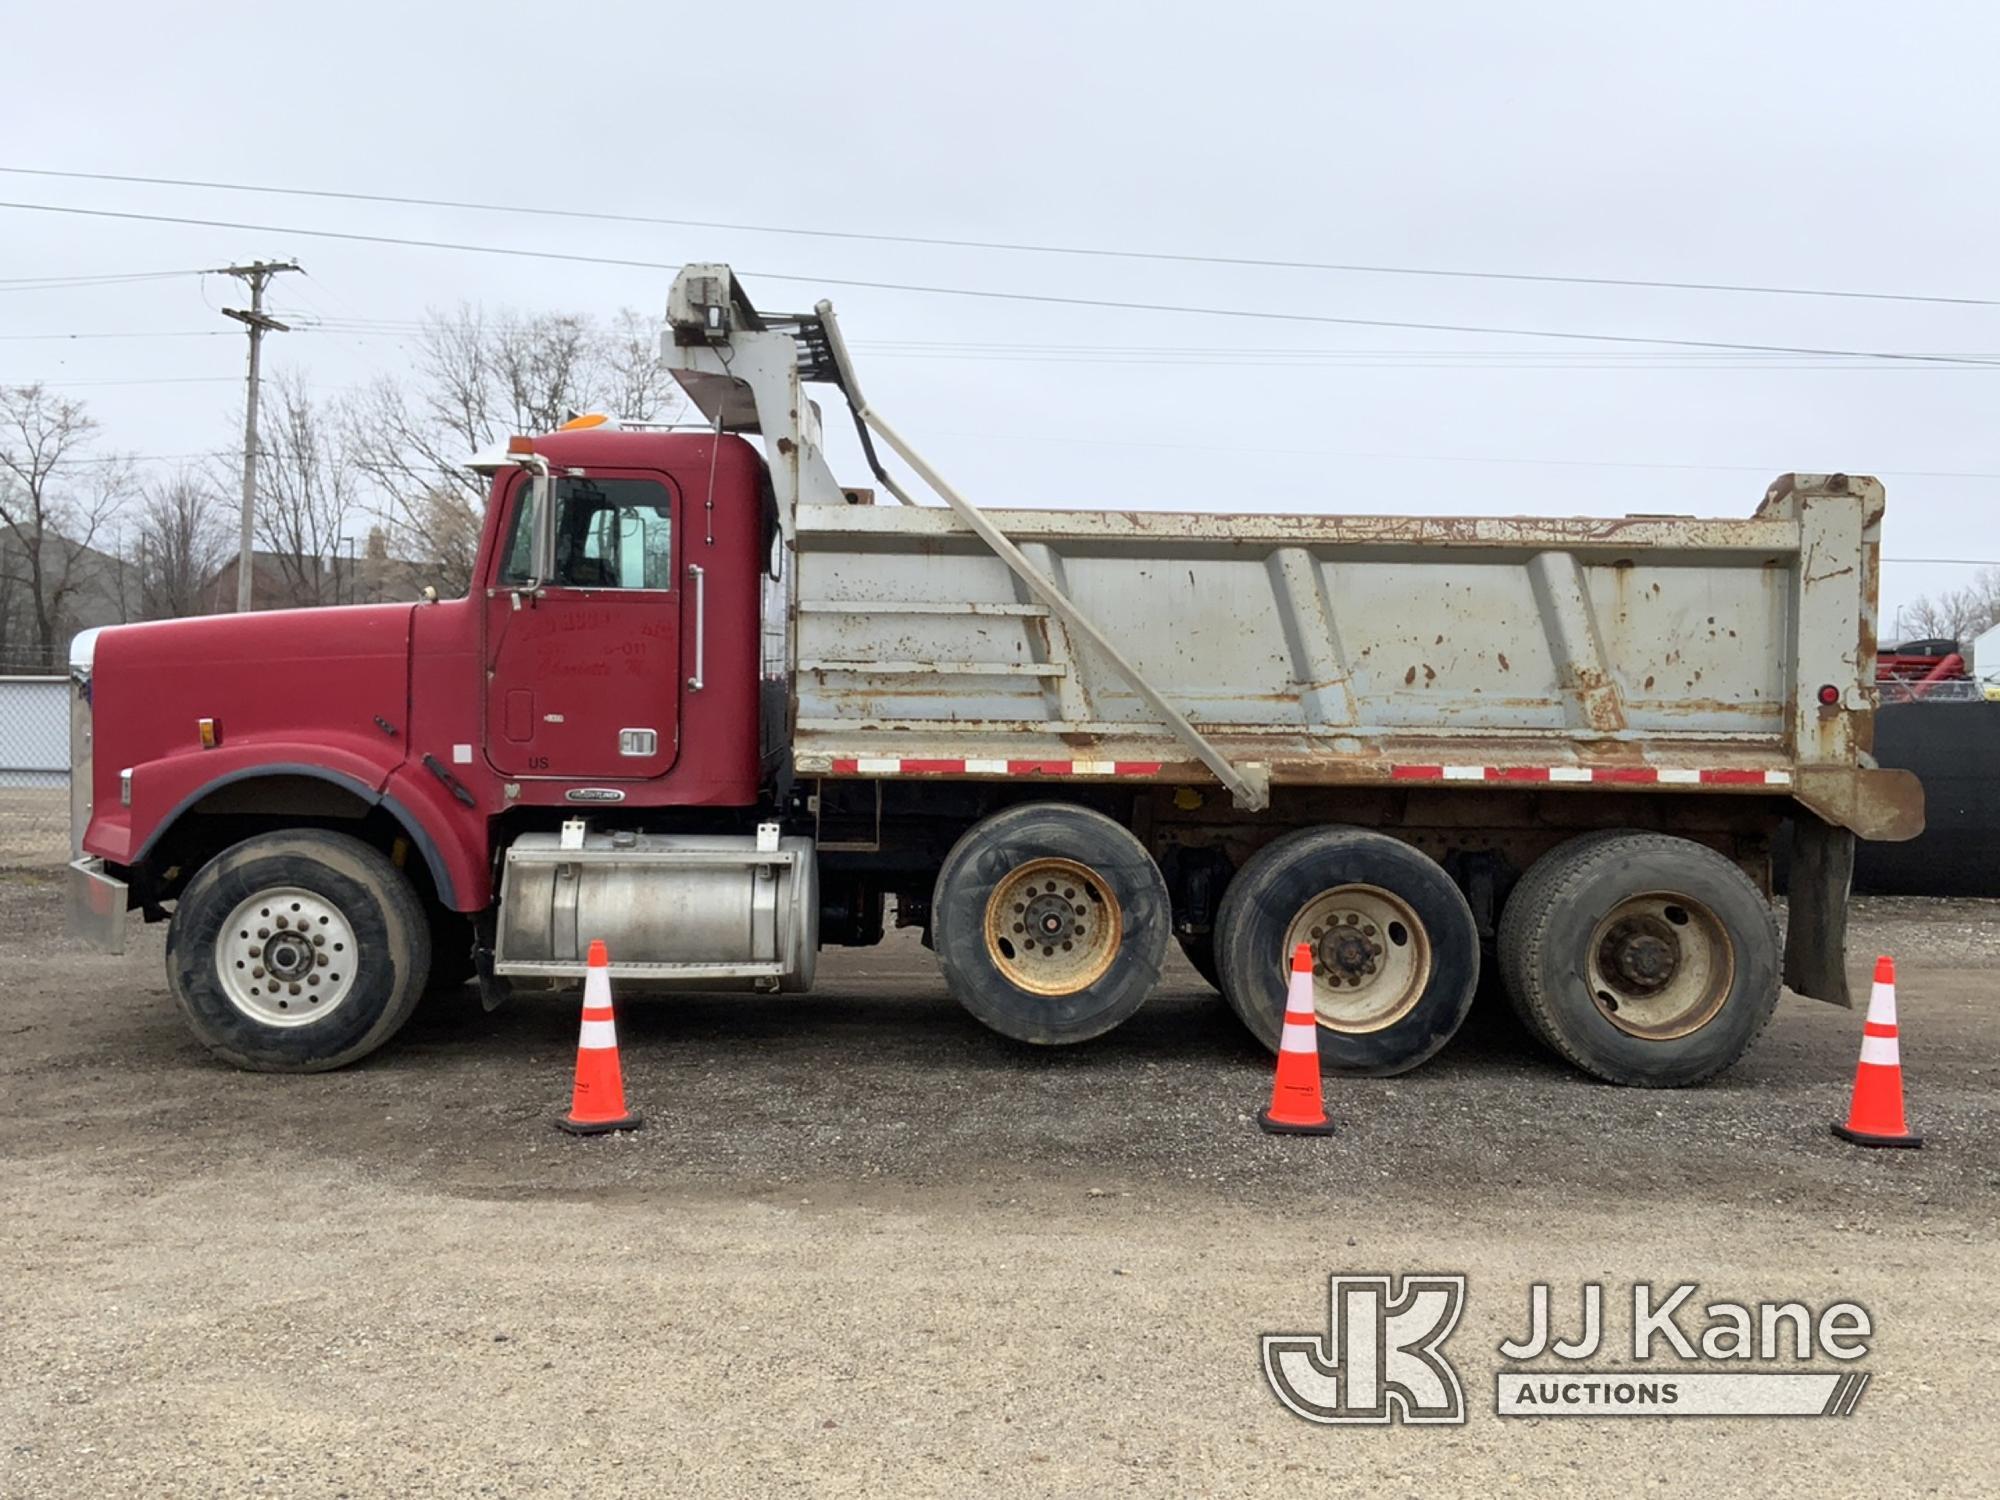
164,789
451,836
451,846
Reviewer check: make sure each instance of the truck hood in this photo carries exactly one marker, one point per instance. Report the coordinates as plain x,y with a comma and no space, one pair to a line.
270,636
296,682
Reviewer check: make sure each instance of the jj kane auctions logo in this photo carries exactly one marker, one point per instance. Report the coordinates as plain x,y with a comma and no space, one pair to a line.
1382,1358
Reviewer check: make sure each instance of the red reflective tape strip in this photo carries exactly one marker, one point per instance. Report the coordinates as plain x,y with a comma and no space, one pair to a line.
1877,1028
1628,775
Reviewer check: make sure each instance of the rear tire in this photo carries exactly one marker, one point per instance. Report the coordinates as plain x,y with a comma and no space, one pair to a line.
1088,895
1395,946
1642,959
297,952
1531,894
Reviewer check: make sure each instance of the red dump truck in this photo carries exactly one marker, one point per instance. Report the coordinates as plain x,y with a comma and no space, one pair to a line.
705,703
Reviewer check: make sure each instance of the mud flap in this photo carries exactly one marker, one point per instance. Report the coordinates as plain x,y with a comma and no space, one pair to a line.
1822,870
495,990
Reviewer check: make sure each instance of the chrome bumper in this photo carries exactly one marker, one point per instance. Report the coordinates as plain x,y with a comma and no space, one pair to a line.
96,906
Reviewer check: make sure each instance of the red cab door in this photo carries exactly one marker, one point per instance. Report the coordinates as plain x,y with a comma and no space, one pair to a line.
583,679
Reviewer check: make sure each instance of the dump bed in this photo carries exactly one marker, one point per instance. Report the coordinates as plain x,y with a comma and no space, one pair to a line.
1349,649
1735,655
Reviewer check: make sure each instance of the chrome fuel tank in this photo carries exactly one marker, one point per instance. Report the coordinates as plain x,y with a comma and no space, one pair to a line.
679,911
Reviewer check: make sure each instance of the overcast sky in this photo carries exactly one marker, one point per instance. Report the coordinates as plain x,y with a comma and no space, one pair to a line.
1808,146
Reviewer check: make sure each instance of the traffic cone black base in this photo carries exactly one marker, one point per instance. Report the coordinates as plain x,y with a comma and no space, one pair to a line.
599,1127
1862,1138
1279,1127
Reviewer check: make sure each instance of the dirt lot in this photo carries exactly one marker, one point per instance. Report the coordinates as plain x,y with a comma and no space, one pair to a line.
864,1247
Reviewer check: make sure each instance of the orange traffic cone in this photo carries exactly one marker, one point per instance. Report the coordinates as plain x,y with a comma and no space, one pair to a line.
1875,1118
1296,1106
598,1104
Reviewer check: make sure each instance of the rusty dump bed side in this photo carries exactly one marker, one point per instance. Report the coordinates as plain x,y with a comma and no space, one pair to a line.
1637,651
1734,656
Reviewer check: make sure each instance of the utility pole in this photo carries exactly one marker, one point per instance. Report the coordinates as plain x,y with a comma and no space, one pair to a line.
257,274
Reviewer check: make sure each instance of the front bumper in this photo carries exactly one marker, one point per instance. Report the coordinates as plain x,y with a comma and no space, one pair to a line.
96,906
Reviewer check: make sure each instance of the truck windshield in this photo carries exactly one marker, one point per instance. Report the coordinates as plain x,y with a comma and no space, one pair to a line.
609,534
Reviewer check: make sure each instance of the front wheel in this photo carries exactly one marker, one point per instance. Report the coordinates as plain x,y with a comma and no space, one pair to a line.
1394,947
297,952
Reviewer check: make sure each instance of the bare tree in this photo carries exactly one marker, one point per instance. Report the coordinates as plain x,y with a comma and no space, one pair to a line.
182,539
306,492
1955,614
638,387
56,496
475,381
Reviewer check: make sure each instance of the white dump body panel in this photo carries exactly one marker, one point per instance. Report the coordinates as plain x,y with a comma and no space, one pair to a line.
1736,655
1336,648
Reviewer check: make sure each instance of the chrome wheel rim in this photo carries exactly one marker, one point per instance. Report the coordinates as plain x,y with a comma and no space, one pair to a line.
1371,956
286,957
1661,965
1053,926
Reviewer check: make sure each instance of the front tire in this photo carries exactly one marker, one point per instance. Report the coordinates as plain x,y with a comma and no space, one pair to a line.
297,952
1050,923
1395,947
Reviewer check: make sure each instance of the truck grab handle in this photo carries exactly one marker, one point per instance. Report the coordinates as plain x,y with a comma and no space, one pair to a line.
700,624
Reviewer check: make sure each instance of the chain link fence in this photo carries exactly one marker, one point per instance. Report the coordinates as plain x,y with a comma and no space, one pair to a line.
34,768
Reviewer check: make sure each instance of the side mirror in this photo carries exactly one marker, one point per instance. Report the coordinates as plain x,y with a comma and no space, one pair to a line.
541,515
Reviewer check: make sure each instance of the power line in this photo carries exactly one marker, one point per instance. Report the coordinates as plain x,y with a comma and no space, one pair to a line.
989,294
164,333
150,380
1150,355
1767,470
61,283
1018,247
1476,459
142,458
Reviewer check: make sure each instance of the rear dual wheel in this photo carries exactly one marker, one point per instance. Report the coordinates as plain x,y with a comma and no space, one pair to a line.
1050,923
1640,958
1394,947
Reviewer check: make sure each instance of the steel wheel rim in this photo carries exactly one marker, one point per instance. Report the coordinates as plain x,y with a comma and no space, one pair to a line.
1371,956
1660,965
1053,926
286,957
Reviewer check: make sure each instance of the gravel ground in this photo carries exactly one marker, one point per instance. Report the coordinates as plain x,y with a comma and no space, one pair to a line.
34,827
864,1247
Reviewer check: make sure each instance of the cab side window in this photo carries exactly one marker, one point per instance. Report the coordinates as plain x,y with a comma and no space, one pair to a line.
609,534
